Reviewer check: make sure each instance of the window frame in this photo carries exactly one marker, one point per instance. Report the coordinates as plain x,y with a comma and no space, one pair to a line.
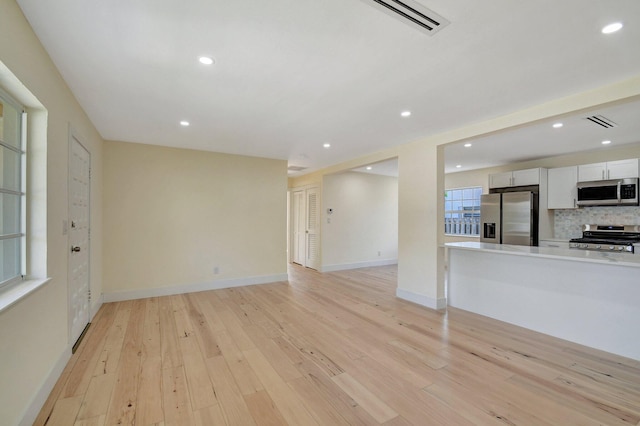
21,164
467,230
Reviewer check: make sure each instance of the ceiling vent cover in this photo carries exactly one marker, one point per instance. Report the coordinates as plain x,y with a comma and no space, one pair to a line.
412,13
296,168
602,121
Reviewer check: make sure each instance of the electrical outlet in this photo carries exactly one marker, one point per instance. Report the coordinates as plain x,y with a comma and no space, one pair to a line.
379,253
216,270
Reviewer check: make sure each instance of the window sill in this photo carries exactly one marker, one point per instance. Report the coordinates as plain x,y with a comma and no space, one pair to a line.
462,235
16,292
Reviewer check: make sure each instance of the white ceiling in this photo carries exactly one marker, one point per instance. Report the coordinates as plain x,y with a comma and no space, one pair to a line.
291,75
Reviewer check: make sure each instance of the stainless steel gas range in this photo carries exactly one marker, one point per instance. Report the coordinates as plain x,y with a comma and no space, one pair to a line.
610,238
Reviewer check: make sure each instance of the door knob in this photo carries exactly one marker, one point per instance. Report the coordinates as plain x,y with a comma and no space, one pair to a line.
75,249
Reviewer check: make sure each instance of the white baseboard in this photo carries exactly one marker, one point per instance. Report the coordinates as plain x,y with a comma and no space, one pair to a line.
41,396
421,299
356,265
118,296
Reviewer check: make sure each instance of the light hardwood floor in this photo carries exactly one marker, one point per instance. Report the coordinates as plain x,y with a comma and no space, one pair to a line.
330,349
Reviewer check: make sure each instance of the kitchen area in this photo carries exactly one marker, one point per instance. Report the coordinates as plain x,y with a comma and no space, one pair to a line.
557,250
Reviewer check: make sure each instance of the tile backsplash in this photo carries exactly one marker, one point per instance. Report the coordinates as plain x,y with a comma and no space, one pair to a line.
568,223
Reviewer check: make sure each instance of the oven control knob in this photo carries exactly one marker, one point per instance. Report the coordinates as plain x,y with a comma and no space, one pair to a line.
598,247
620,248
585,245
612,247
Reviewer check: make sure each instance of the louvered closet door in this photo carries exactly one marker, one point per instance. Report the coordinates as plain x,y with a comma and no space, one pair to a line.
299,227
312,246
79,186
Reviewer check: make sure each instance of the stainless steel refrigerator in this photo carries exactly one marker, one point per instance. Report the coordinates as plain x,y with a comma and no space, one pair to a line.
509,218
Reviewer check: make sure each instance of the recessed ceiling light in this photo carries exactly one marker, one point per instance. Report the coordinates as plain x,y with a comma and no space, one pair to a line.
557,125
327,145
184,123
606,142
612,28
405,113
467,145
458,166
205,60
369,167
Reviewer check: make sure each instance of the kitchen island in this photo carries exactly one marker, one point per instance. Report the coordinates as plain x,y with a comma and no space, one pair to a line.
587,297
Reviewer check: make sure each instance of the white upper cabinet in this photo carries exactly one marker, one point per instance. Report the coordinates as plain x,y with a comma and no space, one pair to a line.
561,188
595,171
610,170
515,178
500,180
623,169
526,177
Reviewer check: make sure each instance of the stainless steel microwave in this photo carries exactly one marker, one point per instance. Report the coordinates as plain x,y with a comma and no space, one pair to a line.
614,192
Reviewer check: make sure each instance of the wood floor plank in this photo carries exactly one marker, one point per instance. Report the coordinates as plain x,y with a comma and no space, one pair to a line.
323,411
330,348
288,402
245,377
380,411
402,396
176,398
97,397
270,350
234,326
263,409
170,352
203,332
198,381
207,302
149,402
112,349
93,421
321,385
89,353
428,358
122,407
233,406
65,411
210,416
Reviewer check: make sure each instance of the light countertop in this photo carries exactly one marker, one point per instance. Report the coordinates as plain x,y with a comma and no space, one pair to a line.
591,256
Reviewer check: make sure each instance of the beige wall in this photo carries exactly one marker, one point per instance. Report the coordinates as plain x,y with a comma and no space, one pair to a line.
34,332
364,220
173,215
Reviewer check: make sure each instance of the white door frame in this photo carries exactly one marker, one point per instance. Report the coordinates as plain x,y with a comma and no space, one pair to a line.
74,137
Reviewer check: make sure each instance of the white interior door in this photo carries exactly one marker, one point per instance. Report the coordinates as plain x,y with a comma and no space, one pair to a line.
79,233
312,243
298,225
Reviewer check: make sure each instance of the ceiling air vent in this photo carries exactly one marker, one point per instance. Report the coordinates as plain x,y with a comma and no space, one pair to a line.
412,13
296,168
602,121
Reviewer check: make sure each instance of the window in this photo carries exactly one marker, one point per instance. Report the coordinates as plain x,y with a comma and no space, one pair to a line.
12,194
462,211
